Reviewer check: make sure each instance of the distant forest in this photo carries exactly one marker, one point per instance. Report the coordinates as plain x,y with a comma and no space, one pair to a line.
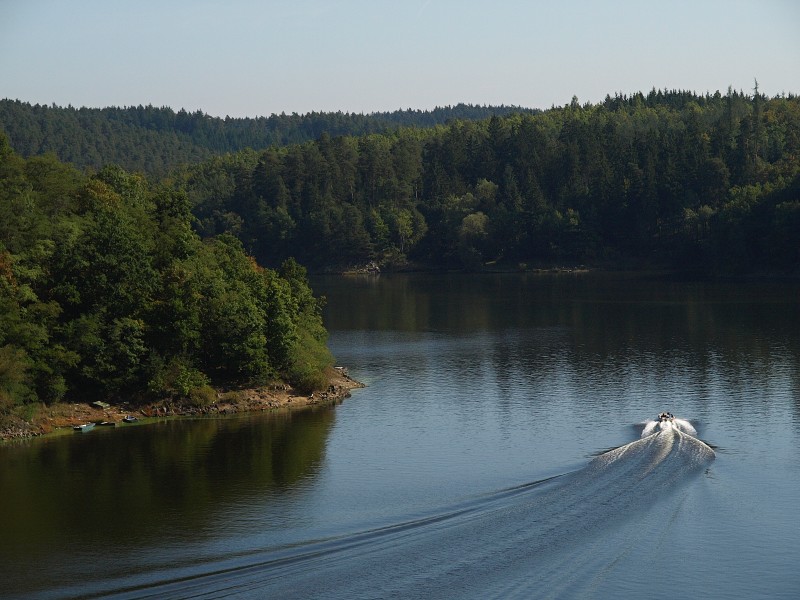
154,140
669,178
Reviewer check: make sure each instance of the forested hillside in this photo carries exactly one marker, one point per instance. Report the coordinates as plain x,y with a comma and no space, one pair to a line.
116,283
107,292
670,178
154,140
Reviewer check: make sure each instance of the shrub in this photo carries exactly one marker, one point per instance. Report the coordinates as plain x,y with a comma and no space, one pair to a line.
177,378
309,359
203,395
14,389
233,396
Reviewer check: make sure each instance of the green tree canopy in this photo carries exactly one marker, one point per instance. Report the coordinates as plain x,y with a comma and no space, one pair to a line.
106,290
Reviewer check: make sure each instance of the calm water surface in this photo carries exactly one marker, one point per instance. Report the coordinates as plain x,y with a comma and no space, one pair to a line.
494,453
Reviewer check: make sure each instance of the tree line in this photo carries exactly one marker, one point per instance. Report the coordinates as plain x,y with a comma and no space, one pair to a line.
106,291
670,178
154,140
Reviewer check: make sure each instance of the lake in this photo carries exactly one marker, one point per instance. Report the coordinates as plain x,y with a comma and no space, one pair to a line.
495,453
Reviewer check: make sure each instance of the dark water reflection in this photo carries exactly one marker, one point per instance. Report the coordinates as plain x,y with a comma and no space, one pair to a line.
606,326
596,307
112,490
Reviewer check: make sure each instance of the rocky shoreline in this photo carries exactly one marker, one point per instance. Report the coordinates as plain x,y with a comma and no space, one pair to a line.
50,419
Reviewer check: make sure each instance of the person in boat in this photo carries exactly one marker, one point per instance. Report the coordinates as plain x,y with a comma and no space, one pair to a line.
665,416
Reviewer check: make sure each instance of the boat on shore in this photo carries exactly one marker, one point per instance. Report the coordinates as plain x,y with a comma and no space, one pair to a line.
83,428
129,419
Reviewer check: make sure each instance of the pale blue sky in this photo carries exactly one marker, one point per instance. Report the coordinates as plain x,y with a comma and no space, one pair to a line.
249,57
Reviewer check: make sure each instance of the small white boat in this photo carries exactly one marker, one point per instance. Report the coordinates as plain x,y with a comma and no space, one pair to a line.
129,419
666,420
84,428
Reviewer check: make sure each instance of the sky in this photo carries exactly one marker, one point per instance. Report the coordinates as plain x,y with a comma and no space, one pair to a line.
254,58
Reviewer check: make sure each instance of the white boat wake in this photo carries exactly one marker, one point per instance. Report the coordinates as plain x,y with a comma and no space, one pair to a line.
556,538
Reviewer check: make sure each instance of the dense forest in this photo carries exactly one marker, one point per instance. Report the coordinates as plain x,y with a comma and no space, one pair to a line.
106,291
154,140
151,285
669,179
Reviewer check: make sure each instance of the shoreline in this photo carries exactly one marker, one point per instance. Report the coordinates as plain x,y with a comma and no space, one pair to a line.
51,419
630,266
